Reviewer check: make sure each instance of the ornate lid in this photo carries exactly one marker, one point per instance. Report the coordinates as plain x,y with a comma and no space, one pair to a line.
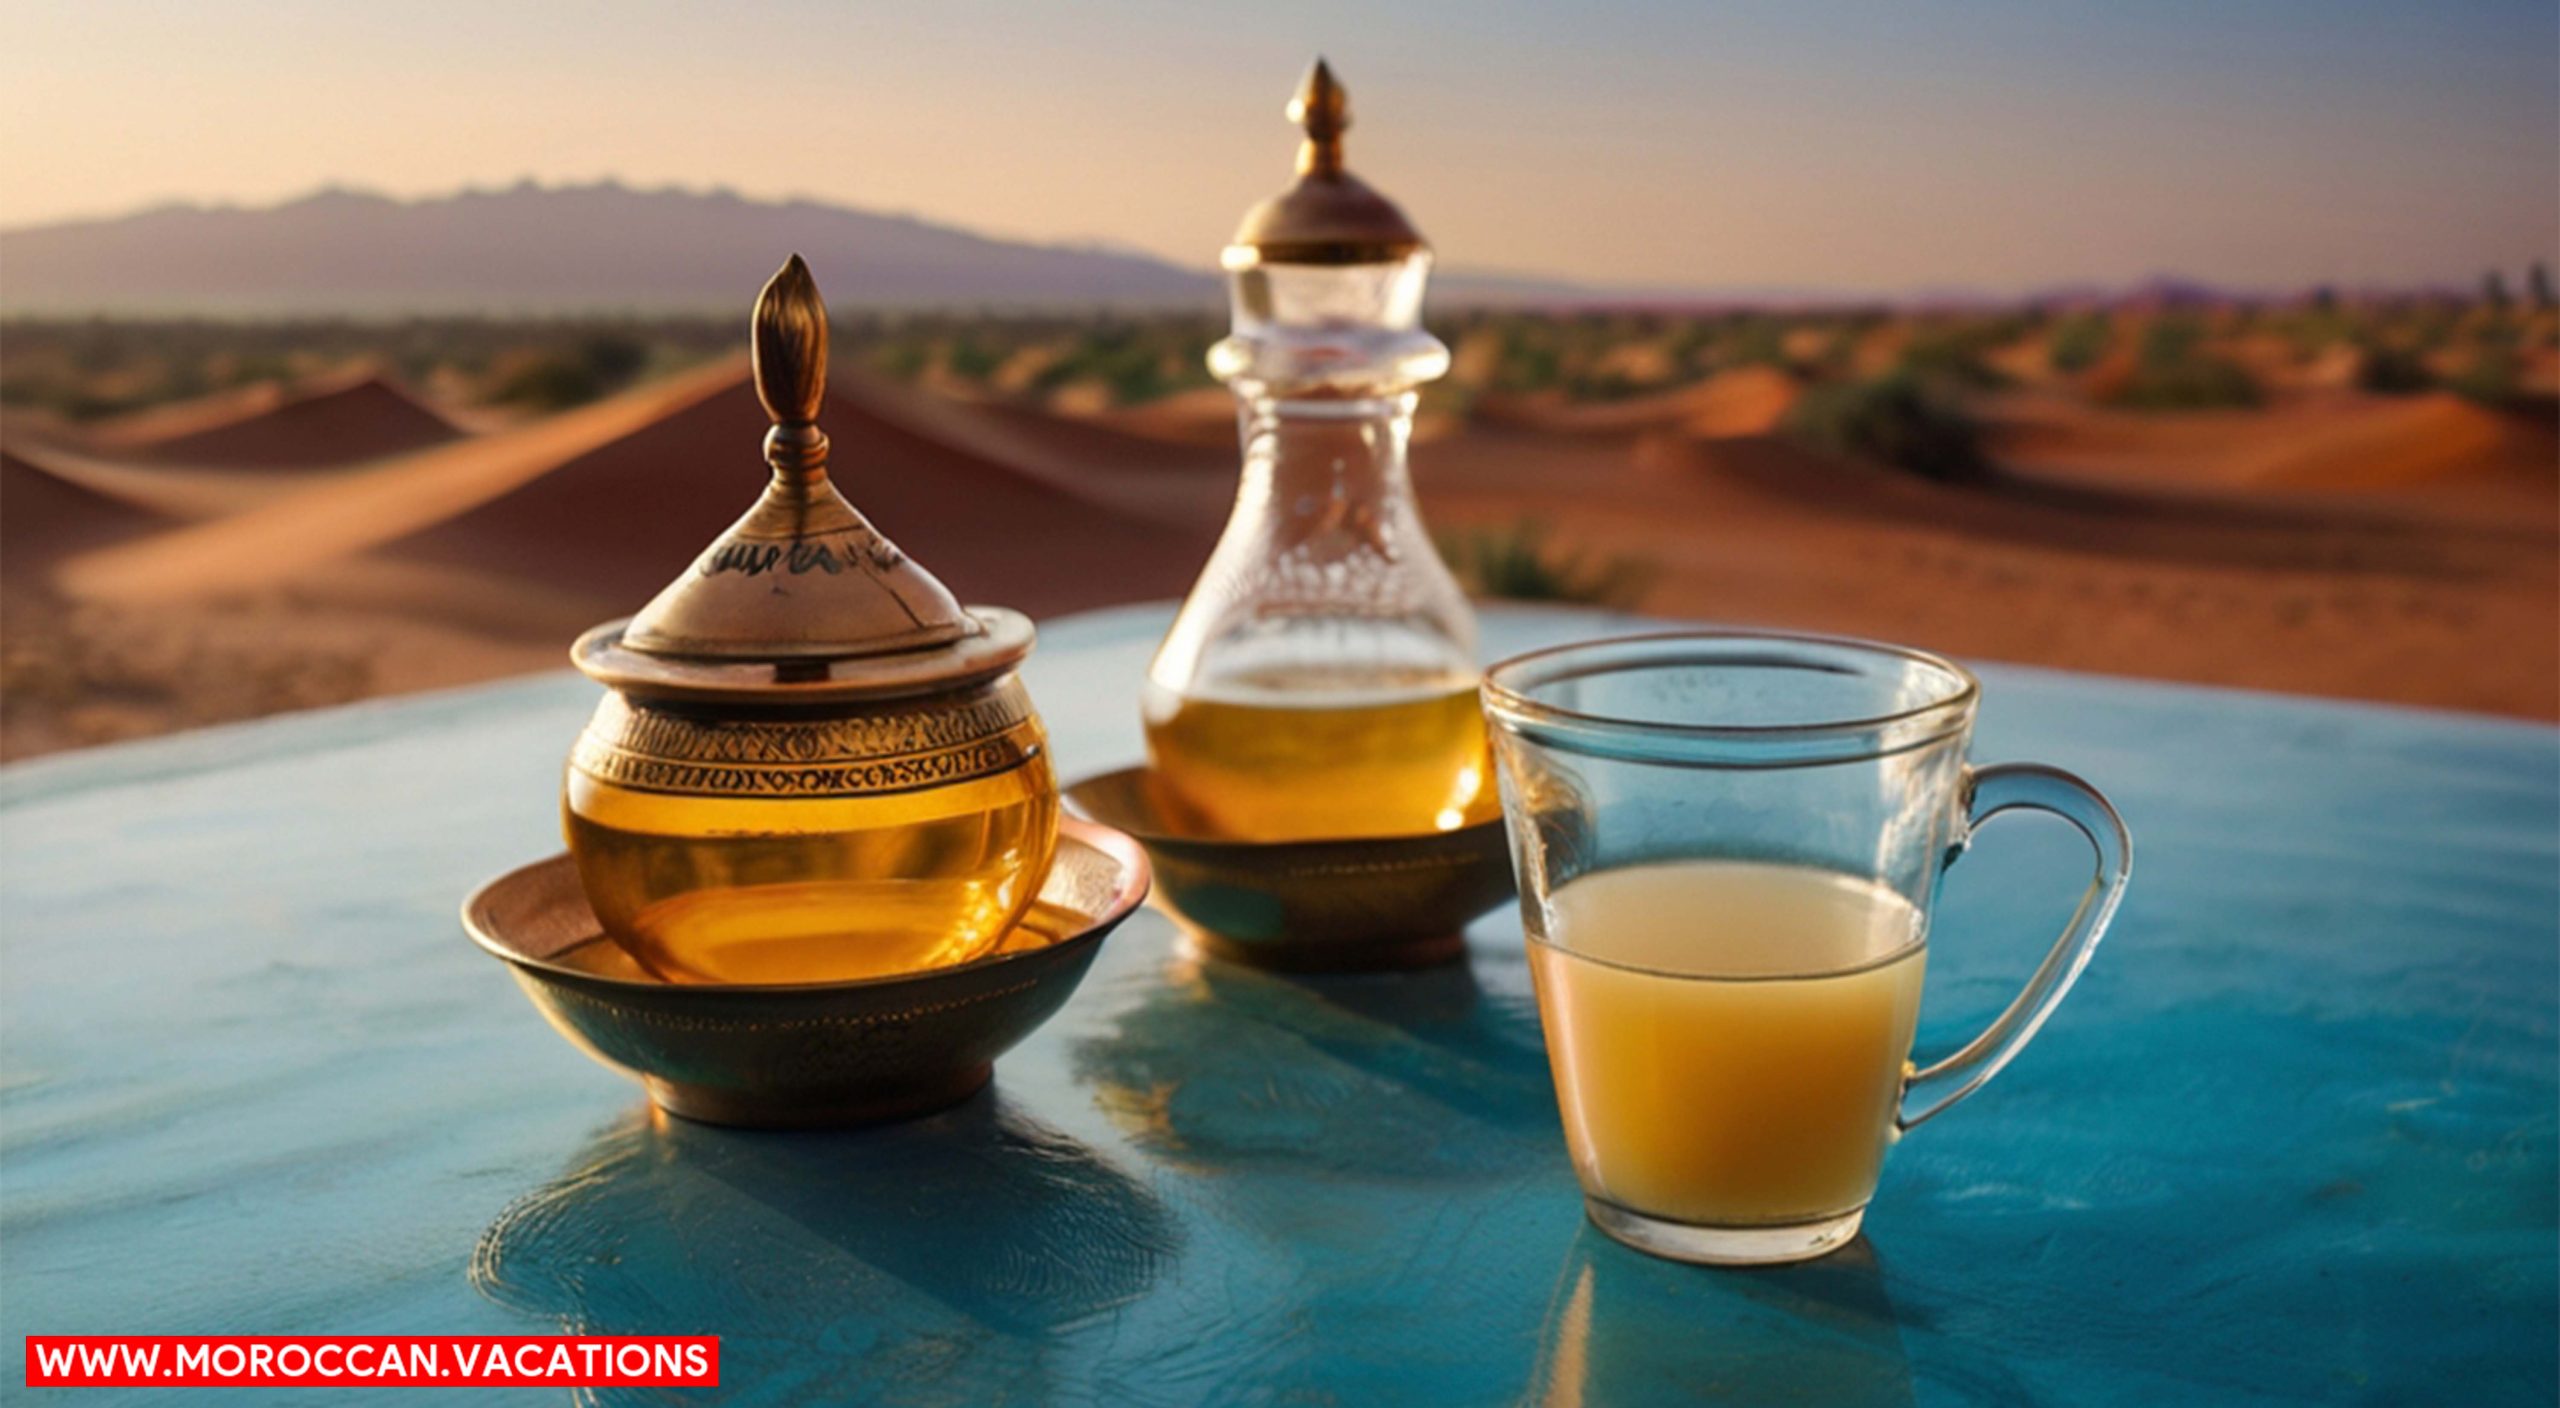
1328,215
801,599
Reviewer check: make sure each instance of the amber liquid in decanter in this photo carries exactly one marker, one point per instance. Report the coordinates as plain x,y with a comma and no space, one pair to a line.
1301,756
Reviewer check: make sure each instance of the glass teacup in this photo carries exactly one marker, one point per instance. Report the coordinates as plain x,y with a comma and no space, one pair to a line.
1728,845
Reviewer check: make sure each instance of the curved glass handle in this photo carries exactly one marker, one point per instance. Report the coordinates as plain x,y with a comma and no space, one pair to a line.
2030,786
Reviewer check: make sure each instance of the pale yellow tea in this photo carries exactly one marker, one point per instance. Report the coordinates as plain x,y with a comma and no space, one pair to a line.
1728,1037
1322,757
815,889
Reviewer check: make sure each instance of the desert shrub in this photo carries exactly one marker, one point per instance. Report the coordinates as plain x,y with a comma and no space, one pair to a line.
1445,398
2080,341
1527,365
1519,563
1897,418
1953,357
2494,378
1754,342
255,367
2316,329
1135,375
555,380
544,381
1131,364
97,366
2435,324
972,360
2505,333
1691,347
2174,373
2394,371
616,359
1840,348
1607,386
900,360
85,405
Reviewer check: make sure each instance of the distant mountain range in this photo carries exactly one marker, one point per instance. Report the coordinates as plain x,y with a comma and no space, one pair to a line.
537,249
564,249
533,249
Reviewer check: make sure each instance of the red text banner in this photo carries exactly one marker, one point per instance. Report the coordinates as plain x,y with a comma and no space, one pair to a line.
386,1361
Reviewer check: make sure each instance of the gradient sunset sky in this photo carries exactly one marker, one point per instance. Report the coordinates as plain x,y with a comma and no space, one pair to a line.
1881,147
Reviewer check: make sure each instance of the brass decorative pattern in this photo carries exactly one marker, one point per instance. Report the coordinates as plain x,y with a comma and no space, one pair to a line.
844,756
756,556
861,1024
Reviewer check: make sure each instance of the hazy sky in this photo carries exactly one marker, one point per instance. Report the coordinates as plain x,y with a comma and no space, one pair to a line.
1873,146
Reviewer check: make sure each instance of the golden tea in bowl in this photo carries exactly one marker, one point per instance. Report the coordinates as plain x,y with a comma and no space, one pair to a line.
803,872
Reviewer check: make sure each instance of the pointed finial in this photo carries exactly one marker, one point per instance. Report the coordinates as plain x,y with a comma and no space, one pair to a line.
787,598
1327,215
791,345
1323,109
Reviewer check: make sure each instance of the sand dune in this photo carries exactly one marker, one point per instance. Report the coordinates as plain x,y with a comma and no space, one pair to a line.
234,451
1744,401
2432,456
1183,486
317,424
625,517
177,492
45,518
360,511
605,504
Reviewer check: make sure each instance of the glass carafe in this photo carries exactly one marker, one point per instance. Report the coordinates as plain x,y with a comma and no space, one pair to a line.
1320,681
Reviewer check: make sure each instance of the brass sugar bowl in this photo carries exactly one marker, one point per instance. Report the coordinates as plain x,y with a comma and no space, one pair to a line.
814,765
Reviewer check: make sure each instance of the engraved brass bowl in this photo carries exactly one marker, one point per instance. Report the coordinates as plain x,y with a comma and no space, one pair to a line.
1311,906
809,1054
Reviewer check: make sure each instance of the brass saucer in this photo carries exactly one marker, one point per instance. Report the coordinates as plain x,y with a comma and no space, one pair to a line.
784,1055
1311,906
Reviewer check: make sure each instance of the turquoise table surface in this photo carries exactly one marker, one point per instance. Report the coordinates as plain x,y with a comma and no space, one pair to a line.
2292,1139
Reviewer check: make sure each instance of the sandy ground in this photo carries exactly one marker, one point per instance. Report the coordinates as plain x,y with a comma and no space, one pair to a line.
2405,550
1756,532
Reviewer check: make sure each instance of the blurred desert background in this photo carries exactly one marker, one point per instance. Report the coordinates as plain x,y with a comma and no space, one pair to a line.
360,438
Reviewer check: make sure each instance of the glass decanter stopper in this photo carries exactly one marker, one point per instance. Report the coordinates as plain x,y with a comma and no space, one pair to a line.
1320,681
